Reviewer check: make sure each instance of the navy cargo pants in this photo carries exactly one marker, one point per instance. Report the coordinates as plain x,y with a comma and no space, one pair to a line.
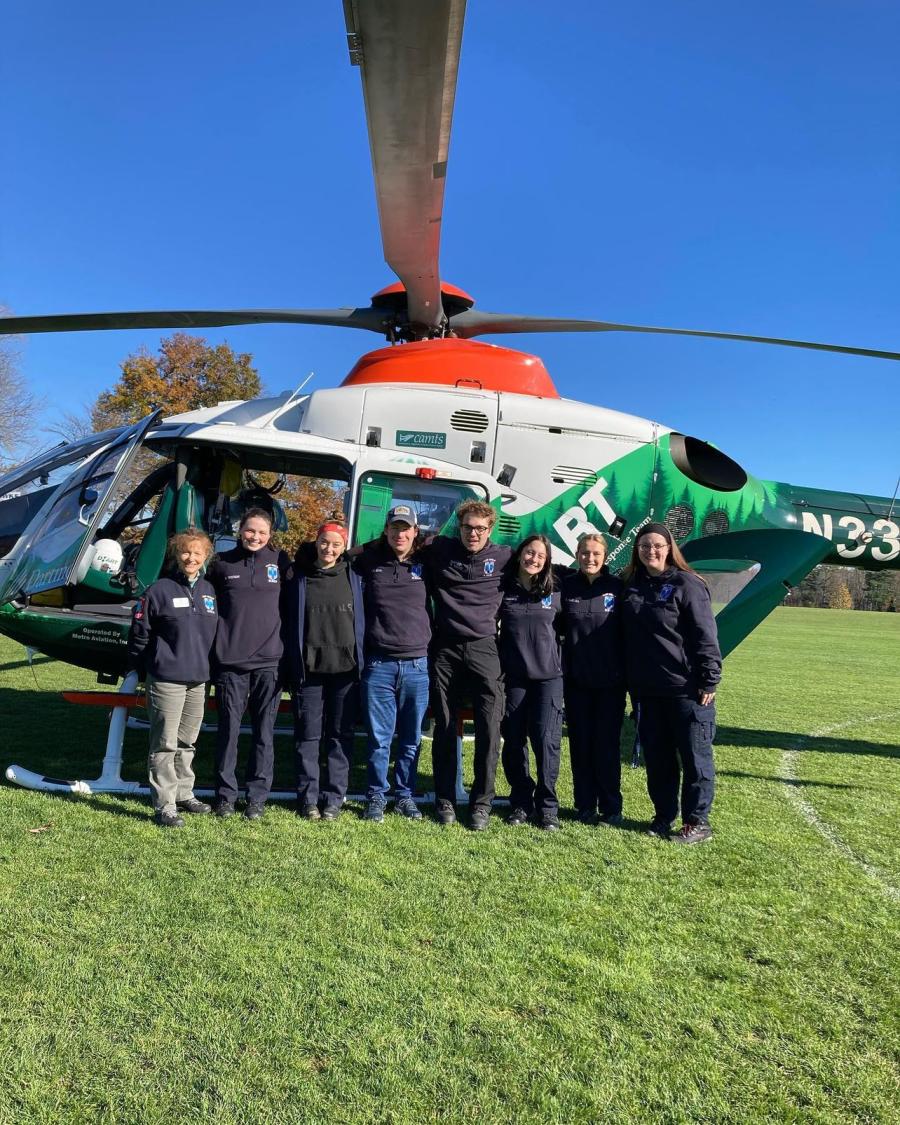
594,723
533,712
259,692
676,735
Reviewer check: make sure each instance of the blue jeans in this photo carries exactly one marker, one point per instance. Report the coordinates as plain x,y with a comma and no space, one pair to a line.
394,697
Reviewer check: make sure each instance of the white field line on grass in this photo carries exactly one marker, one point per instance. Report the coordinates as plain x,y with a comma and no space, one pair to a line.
789,759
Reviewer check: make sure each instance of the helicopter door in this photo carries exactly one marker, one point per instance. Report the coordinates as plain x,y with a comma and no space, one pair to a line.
52,551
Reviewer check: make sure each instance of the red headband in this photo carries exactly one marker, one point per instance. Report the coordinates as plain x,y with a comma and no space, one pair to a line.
336,527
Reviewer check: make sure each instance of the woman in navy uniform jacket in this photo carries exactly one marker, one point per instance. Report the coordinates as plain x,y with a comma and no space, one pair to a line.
324,637
532,670
594,680
673,665
247,654
172,632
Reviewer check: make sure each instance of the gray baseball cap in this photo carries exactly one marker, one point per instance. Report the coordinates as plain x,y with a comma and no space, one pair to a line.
403,513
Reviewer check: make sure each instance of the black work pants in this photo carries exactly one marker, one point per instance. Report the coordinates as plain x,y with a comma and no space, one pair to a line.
676,735
594,722
533,711
257,691
466,670
325,707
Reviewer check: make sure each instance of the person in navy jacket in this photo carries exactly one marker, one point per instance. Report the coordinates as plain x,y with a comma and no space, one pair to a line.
394,685
532,669
673,666
247,654
594,679
464,575
171,636
325,639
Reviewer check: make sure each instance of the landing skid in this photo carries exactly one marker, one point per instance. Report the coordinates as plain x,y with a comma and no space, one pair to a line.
111,780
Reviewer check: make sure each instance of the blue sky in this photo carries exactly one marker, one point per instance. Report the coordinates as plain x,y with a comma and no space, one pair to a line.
695,164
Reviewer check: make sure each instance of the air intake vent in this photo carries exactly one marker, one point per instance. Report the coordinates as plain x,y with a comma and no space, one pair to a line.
469,421
571,474
680,520
509,525
716,523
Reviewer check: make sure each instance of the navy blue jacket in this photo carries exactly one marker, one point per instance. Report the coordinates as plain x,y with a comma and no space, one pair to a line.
248,585
172,630
529,644
395,593
293,667
465,586
591,625
671,644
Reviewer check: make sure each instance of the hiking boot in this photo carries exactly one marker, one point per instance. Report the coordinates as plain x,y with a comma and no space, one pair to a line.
407,807
445,813
224,809
309,812
198,808
692,834
168,819
660,828
255,811
374,810
517,818
478,819
613,819
331,812
548,822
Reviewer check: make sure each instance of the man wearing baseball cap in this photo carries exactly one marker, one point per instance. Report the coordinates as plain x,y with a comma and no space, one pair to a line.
394,685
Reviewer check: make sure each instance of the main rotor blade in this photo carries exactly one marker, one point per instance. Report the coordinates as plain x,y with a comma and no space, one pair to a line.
370,318
474,323
408,54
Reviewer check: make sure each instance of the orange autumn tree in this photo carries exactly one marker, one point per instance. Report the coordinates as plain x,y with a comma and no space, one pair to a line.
186,374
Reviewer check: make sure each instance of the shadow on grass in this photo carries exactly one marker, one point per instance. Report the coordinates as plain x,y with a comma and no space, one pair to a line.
799,783
785,740
25,663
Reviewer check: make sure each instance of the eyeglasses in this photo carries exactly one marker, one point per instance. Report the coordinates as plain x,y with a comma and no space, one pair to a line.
474,529
652,548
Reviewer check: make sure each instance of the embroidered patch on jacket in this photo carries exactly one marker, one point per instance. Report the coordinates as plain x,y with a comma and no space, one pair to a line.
609,600
489,566
415,571
547,602
272,572
209,603
665,592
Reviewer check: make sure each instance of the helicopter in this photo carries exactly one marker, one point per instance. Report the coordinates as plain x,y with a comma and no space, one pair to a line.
435,416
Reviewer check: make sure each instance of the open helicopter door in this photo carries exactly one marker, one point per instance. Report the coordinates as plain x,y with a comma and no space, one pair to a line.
54,548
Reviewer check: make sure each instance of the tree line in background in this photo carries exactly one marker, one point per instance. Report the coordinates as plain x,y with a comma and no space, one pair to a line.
847,587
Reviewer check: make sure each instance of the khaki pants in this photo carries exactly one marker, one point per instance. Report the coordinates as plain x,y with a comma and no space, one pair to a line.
176,714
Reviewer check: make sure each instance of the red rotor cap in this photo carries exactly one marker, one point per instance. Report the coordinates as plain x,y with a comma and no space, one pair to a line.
454,300
467,364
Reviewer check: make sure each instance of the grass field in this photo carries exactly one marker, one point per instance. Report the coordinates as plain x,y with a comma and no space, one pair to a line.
287,971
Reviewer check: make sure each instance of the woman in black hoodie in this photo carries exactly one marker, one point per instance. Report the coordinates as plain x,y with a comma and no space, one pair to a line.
247,653
325,639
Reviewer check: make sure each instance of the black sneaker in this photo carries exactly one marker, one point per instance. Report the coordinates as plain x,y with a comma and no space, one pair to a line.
613,819
224,809
587,816
445,813
309,812
168,819
660,828
407,807
331,812
548,822
517,818
478,819
255,811
197,808
692,834
374,811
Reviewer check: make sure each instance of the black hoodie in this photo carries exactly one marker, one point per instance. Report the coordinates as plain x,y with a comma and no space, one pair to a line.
248,584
